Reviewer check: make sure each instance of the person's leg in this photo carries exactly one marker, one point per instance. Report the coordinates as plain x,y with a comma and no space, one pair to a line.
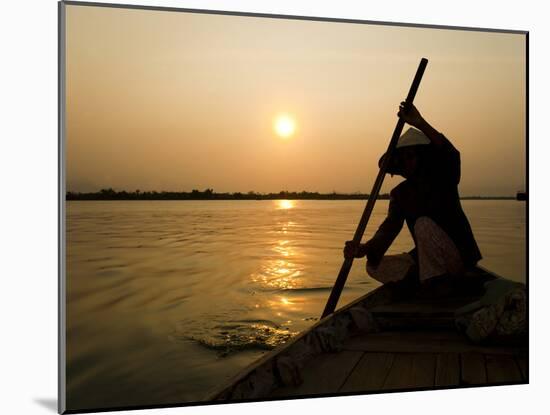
440,263
437,253
392,268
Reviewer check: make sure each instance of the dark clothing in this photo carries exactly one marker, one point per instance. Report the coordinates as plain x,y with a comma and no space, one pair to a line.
433,192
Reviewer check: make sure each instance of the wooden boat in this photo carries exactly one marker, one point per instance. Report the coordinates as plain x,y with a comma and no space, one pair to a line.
389,340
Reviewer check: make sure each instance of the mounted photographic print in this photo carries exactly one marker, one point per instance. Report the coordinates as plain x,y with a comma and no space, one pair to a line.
260,207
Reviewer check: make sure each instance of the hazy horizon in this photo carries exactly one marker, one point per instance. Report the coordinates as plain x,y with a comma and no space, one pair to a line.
286,191
174,101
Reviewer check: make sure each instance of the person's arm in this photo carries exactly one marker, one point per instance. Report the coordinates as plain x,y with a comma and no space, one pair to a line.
413,117
448,156
376,247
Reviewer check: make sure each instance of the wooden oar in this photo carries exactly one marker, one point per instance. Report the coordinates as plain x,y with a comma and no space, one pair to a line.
348,262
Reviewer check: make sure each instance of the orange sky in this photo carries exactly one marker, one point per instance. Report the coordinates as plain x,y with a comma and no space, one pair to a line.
179,101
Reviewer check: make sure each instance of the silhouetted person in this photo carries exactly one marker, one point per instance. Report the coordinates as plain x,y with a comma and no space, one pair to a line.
428,201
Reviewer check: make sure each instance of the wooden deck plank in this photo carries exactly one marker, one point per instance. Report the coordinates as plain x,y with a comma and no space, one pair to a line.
472,367
414,308
502,369
457,301
424,370
394,323
325,374
419,314
369,374
442,341
400,372
411,371
523,367
447,369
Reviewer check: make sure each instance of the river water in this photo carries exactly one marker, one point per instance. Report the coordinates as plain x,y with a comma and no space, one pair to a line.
167,299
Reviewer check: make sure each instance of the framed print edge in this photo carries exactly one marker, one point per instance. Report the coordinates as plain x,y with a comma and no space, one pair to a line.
62,291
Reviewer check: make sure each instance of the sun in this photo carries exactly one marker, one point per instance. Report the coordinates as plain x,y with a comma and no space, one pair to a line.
284,126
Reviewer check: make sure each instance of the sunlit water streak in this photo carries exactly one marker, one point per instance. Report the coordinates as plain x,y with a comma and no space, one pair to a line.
167,299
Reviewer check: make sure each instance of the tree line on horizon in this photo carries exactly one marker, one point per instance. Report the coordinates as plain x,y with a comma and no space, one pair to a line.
209,194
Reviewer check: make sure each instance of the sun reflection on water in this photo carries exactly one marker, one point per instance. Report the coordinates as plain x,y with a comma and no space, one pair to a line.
285,301
285,204
285,305
280,270
279,274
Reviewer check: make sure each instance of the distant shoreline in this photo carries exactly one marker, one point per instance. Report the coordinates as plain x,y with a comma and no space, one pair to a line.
209,194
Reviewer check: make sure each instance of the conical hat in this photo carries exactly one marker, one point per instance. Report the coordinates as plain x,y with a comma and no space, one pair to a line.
412,137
